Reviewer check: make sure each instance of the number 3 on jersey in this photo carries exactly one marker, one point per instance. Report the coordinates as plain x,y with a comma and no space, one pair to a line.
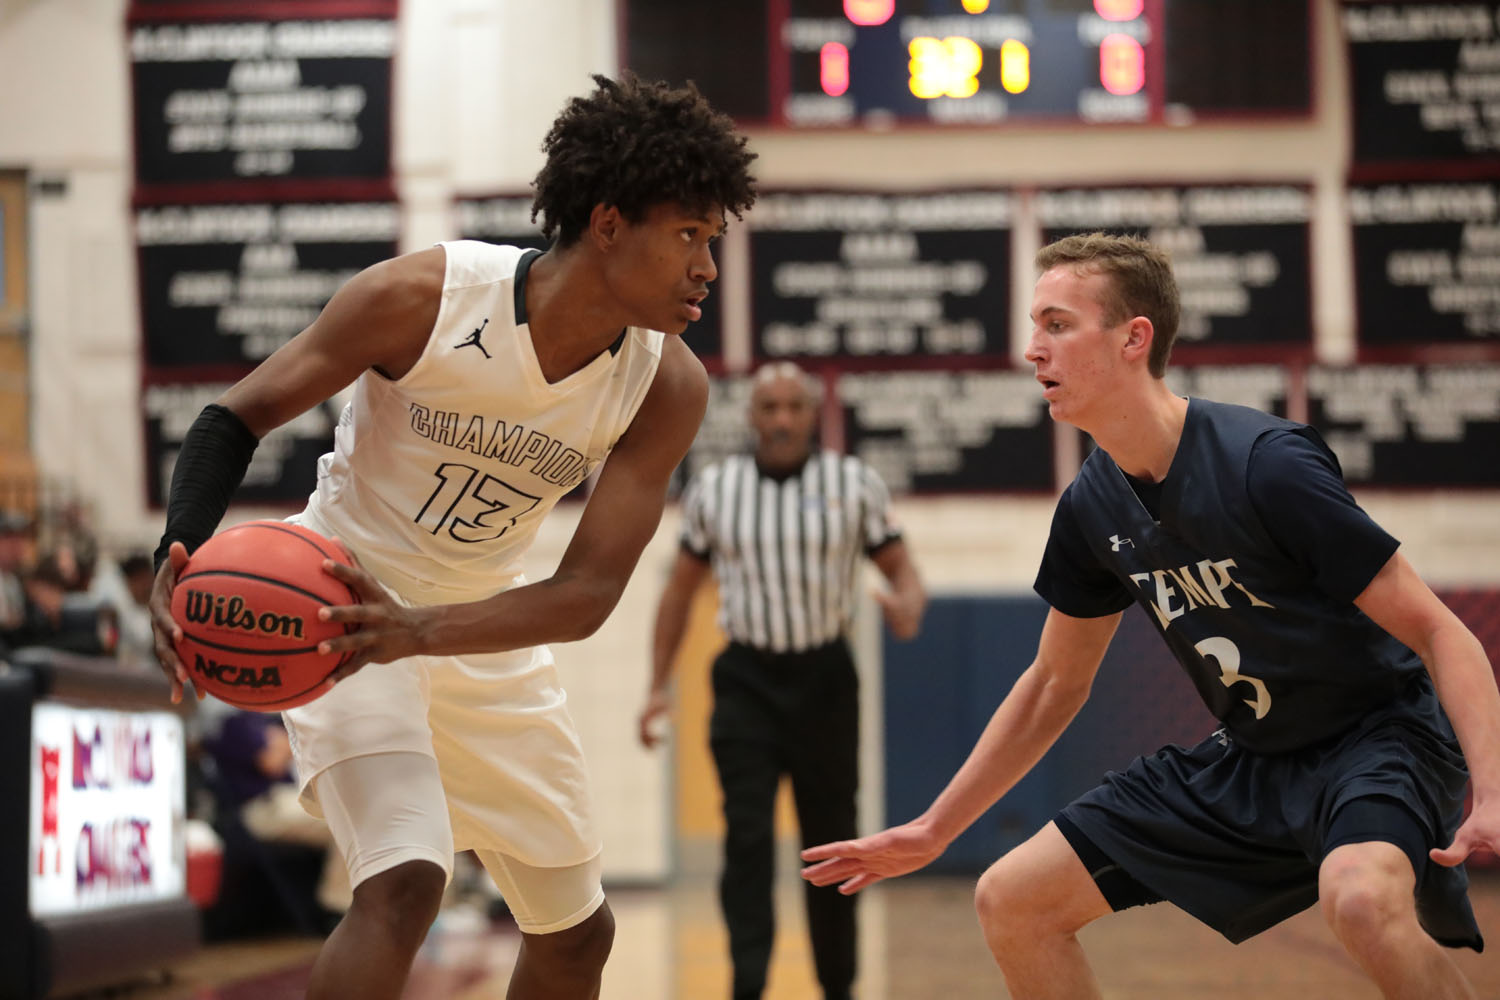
474,507
1228,656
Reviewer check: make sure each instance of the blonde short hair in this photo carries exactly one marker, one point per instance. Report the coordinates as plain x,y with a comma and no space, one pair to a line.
1141,283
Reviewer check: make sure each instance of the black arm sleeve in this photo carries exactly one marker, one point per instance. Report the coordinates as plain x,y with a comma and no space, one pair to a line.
215,453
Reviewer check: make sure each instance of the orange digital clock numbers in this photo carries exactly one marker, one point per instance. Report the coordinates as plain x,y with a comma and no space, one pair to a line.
1015,66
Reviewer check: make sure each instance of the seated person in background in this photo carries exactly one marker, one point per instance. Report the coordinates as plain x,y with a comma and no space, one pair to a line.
50,620
76,554
126,587
253,777
15,541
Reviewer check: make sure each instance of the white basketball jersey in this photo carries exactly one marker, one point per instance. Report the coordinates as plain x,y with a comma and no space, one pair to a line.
438,480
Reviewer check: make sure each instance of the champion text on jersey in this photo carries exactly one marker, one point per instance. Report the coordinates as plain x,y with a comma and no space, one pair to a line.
509,444
1208,584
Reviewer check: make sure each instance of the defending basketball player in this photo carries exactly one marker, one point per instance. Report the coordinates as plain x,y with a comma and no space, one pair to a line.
489,382
1344,686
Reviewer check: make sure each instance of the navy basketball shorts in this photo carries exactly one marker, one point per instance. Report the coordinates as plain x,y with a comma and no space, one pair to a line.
1235,838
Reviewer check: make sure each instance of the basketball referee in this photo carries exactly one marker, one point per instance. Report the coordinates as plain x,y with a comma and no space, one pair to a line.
784,531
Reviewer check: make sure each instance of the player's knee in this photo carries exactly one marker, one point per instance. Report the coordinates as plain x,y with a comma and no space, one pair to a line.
579,952
1366,893
1002,904
404,898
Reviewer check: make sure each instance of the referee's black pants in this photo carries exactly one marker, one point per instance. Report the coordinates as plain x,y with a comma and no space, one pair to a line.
795,714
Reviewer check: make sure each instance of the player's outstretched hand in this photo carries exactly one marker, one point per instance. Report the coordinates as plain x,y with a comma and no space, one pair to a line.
855,864
164,628
385,630
1480,829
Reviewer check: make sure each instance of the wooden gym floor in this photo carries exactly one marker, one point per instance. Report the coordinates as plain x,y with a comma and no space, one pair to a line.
919,941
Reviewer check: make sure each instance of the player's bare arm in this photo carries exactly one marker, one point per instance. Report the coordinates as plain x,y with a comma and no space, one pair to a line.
688,573
1029,720
905,602
621,516
381,318
1401,603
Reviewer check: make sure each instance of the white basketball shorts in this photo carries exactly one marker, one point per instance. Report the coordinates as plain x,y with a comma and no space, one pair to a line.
508,754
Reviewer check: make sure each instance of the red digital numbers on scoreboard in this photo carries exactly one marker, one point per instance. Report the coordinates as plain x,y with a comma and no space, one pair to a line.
1122,64
833,69
868,13
1119,10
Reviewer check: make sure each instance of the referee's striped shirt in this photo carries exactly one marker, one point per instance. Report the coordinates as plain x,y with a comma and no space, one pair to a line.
786,552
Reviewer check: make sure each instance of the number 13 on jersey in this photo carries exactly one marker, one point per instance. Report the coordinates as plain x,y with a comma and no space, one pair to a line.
472,506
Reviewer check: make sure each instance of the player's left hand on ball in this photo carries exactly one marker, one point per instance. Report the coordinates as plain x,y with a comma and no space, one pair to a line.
385,630
165,631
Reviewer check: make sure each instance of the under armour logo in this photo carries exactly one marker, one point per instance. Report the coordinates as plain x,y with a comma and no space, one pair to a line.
473,340
1115,541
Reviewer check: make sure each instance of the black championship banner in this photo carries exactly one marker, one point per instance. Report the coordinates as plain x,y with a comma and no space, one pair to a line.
284,469
855,277
1423,84
227,284
1240,253
1427,264
1409,425
949,432
1260,387
265,100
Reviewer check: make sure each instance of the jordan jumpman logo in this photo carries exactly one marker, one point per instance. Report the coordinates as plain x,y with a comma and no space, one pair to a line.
473,339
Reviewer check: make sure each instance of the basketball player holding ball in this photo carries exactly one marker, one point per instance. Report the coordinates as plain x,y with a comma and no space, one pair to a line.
489,382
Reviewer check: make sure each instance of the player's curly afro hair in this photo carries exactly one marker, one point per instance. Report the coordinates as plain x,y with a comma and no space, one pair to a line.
634,144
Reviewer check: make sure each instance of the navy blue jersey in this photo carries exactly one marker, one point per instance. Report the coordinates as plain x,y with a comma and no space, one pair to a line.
1260,615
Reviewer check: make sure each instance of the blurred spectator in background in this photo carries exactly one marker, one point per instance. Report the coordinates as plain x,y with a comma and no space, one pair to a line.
75,553
126,587
136,640
50,619
15,543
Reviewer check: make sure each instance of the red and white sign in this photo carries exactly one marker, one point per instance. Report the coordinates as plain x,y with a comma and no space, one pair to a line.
108,812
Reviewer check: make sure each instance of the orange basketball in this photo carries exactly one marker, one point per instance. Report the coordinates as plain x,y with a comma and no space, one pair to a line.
247,602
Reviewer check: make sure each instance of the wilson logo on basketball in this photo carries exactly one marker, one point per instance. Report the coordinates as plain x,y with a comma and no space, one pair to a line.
231,612
234,676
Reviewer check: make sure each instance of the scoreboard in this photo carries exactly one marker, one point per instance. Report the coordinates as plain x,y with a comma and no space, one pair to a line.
979,62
